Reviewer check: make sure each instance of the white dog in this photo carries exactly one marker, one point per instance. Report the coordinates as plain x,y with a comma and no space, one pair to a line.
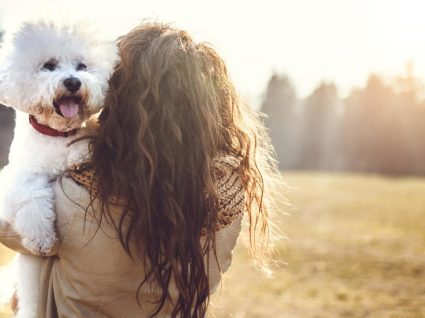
55,76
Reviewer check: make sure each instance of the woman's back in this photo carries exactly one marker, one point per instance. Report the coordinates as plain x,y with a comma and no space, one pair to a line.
93,276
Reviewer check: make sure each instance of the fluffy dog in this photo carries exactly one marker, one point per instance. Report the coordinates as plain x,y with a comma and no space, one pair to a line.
55,76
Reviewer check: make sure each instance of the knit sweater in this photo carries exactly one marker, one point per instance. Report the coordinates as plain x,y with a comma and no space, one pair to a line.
229,187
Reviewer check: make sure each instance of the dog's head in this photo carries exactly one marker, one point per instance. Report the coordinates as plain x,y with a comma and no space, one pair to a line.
57,72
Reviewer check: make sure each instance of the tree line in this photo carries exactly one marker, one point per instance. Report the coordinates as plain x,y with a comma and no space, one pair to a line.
379,128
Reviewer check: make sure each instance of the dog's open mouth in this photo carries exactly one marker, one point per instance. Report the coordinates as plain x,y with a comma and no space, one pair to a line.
69,106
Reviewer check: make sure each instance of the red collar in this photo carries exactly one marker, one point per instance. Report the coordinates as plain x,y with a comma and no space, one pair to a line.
46,130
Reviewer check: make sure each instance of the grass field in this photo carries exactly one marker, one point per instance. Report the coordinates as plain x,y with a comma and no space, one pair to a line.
355,248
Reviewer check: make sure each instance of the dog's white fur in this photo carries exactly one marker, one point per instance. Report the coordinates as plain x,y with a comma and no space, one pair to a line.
26,195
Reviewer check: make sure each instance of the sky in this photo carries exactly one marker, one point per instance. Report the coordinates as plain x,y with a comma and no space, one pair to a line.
309,40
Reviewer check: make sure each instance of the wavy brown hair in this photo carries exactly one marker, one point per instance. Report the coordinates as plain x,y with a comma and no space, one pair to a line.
171,109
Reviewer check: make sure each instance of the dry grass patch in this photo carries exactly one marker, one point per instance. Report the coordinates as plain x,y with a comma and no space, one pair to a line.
356,248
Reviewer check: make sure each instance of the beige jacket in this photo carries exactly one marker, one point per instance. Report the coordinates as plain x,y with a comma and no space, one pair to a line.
90,274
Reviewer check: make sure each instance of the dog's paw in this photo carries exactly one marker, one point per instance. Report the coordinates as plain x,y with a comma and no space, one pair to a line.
43,246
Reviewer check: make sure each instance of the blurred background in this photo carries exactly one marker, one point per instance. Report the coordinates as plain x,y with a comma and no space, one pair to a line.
341,83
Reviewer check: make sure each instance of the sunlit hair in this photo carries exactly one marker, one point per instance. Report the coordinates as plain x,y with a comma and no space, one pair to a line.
170,110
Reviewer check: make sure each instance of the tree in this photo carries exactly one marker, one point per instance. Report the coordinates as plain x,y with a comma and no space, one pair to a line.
383,128
319,139
280,105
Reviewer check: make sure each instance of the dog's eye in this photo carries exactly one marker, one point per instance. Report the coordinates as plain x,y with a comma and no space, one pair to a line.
50,66
81,67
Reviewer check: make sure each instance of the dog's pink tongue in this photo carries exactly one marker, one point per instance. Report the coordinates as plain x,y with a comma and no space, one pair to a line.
69,109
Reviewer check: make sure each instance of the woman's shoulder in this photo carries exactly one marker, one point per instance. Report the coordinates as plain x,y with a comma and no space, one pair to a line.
230,189
226,163
84,176
229,185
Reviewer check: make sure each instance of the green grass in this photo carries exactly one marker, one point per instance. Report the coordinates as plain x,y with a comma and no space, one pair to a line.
355,248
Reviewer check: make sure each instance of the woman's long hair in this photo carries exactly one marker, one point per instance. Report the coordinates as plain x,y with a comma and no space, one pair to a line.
170,110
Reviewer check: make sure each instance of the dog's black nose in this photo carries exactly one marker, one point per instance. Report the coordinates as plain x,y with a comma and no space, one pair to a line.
72,84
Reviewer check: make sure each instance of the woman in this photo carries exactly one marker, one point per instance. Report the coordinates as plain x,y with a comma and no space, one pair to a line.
148,226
